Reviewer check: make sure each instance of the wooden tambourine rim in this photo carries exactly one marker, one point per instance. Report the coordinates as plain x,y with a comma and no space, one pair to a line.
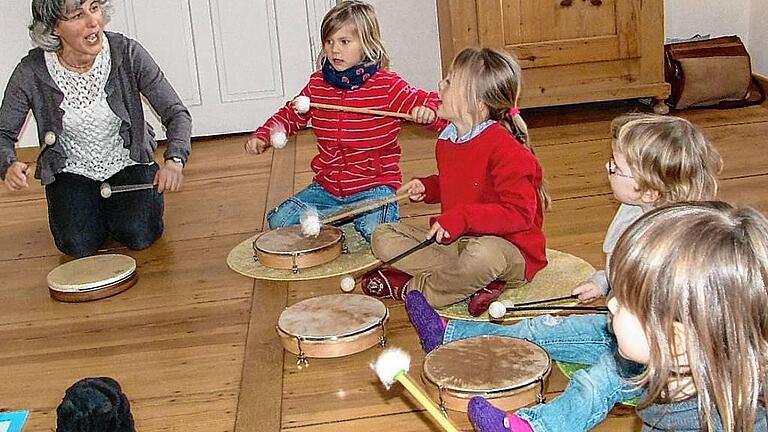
507,398
335,346
88,264
96,293
336,233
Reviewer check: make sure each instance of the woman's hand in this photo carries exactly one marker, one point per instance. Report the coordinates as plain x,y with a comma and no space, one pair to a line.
415,189
439,233
255,146
16,176
170,177
423,115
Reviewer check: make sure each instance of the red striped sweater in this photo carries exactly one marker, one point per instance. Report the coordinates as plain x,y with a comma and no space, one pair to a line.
356,152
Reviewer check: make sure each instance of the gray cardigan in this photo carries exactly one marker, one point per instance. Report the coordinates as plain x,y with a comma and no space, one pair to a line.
134,73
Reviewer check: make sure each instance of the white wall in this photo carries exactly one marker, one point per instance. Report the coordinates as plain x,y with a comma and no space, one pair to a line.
744,18
409,30
758,36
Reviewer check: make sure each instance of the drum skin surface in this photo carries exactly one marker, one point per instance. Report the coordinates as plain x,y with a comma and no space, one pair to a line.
358,259
92,278
332,325
508,371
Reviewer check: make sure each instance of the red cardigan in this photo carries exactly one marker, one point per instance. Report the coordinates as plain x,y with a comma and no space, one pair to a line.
356,152
488,186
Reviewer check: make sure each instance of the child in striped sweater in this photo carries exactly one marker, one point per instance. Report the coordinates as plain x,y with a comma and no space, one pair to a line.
358,154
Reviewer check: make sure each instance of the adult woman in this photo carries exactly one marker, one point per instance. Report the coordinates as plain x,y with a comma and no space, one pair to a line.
84,87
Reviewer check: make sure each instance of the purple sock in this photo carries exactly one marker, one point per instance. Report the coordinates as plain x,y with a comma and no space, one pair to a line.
428,324
487,418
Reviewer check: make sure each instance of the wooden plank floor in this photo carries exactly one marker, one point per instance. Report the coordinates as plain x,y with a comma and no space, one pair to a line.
193,343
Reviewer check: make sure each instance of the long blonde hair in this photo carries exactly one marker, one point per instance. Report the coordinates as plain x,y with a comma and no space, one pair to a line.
702,267
494,78
668,155
362,17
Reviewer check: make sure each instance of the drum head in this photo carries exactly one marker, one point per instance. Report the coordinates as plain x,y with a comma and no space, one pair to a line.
91,273
486,364
289,240
332,316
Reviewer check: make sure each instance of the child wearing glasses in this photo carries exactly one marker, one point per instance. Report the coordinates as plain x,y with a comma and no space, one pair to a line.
656,160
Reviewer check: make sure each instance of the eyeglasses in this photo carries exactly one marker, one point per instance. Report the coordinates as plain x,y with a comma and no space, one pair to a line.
612,169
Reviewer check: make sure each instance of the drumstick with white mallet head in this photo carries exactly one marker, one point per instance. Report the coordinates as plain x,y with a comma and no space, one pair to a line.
311,222
392,365
49,139
499,309
106,190
302,104
348,282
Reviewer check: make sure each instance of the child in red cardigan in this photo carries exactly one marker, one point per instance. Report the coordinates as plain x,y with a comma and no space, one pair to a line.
489,186
358,154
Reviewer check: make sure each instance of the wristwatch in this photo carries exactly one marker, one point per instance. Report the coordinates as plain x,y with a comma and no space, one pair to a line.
176,159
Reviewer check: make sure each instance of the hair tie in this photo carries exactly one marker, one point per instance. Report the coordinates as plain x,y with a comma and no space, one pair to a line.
514,111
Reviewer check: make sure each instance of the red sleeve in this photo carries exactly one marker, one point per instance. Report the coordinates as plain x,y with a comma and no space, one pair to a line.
285,119
432,189
516,181
403,98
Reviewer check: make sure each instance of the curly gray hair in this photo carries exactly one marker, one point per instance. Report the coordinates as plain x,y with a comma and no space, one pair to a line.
45,15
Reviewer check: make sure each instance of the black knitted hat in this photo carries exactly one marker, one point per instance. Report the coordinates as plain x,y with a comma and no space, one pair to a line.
94,405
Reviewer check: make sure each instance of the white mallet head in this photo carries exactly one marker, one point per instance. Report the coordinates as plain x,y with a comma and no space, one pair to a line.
105,190
390,364
347,284
310,222
301,104
497,310
278,139
49,138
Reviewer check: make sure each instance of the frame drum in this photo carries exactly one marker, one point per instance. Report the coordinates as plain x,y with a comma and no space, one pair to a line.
92,278
332,326
287,248
509,372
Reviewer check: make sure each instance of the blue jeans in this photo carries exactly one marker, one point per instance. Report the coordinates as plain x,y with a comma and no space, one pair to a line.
81,220
326,204
584,339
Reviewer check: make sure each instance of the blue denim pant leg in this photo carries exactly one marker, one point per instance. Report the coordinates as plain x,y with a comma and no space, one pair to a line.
576,338
289,211
366,223
588,398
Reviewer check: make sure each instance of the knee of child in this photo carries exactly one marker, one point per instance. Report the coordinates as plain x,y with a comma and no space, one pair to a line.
477,257
380,239
287,213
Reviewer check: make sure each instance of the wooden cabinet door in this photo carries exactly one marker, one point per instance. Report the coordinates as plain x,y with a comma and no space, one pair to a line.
561,32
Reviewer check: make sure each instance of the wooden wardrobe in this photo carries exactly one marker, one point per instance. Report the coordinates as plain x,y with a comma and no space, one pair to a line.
572,51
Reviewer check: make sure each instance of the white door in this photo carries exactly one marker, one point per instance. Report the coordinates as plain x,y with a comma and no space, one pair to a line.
233,62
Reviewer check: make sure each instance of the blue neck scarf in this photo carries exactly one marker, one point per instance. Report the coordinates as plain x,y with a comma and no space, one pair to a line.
349,79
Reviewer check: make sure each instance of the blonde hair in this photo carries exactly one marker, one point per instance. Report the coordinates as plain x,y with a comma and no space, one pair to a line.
668,155
702,267
362,17
494,78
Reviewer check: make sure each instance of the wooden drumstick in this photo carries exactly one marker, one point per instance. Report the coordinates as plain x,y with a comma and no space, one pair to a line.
106,190
392,365
499,309
302,104
367,206
49,139
348,282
